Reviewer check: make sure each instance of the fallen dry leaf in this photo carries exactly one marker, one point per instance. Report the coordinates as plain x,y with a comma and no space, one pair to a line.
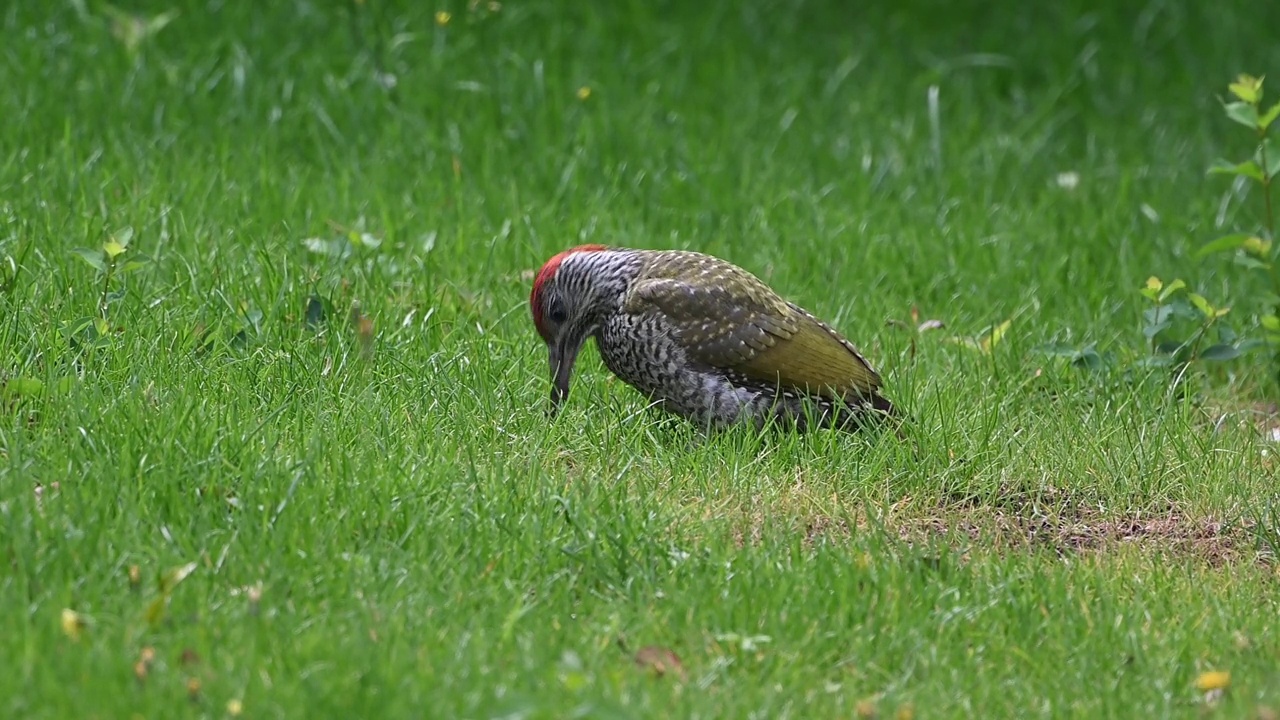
73,624
660,661
1241,640
364,331
143,666
255,597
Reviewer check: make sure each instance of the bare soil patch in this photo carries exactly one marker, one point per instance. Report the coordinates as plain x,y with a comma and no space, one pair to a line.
1173,533
1015,520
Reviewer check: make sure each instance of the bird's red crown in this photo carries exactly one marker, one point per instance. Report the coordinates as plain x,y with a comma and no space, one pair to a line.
544,275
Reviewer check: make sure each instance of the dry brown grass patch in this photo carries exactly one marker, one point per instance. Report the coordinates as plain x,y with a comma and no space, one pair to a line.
1168,533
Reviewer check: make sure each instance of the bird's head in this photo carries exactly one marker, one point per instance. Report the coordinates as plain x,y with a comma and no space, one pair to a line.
564,316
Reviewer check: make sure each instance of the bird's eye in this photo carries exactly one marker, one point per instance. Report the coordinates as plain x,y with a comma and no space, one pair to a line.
556,313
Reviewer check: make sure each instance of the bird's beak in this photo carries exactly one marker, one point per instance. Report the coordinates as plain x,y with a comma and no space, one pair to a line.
563,354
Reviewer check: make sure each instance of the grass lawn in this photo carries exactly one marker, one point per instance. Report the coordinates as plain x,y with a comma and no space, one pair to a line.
320,405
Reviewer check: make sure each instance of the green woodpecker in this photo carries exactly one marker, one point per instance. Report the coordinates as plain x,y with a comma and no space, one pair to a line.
700,337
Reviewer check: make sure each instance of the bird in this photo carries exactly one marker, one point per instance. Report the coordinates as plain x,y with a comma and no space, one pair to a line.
701,338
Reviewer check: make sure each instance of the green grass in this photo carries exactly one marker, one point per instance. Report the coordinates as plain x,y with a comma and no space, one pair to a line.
426,543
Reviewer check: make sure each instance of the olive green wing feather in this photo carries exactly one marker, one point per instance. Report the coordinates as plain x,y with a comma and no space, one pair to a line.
727,318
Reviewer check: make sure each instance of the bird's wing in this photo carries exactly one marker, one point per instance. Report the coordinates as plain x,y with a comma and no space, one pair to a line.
727,318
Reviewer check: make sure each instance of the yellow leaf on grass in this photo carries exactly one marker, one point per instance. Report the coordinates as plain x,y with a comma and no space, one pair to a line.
170,579
155,609
1213,680
73,624
997,334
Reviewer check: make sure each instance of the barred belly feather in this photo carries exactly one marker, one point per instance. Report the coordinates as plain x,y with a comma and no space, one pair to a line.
660,369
